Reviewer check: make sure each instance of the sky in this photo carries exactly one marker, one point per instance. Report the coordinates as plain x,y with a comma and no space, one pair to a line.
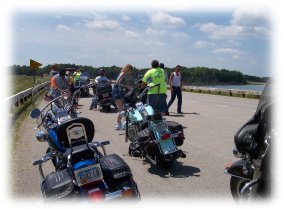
238,38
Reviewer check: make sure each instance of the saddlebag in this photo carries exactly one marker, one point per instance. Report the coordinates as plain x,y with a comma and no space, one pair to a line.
175,127
102,89
57,185
114,168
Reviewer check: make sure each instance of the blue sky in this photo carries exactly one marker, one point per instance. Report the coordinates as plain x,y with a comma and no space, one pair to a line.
233,39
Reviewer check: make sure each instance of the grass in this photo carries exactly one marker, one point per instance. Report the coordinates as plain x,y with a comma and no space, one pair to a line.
22,82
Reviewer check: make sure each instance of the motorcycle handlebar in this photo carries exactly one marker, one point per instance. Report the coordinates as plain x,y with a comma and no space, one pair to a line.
147,89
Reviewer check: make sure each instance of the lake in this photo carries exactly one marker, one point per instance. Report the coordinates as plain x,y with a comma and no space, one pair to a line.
238,87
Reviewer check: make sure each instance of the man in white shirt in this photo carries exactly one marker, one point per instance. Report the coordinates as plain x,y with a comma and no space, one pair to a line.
101,78
176,88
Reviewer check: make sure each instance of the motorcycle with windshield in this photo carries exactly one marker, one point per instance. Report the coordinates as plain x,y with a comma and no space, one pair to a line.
151,136
251,175
82,168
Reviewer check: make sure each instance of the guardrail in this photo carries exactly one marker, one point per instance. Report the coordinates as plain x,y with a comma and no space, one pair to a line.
21,97
219,91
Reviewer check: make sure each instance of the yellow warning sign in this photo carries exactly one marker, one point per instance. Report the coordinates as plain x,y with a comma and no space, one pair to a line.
34,64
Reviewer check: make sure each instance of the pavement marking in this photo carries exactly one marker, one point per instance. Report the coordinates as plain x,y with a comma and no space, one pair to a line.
222,106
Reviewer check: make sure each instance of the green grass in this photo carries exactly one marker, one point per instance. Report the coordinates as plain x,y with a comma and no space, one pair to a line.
18,84
22,82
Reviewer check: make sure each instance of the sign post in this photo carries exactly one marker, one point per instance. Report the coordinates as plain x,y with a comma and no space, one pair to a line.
34,66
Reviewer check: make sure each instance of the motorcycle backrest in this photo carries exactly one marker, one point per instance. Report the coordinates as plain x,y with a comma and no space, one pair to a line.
75,131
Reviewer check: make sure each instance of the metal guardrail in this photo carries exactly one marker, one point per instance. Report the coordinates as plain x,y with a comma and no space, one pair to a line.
19,98
230,92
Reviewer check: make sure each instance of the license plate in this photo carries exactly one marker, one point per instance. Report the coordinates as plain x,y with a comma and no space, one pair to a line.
88,174
161,127
104,95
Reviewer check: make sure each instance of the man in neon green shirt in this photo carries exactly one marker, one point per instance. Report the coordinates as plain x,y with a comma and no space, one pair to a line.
156,97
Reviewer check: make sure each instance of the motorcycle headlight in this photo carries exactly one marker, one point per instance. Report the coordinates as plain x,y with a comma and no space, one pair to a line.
249,141
41,136
245,138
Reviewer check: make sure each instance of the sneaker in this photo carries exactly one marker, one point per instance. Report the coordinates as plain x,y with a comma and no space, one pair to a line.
180,112
118,126
166,114
90,108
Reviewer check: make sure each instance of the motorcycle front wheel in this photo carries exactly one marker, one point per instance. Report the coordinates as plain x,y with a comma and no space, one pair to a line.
236,185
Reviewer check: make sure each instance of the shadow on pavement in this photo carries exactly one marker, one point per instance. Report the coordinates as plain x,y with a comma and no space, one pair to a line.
178,170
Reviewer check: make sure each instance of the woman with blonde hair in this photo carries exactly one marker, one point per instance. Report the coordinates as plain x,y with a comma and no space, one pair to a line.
124,83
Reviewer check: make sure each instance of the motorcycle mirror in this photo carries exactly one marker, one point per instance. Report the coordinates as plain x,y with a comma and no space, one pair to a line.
35,113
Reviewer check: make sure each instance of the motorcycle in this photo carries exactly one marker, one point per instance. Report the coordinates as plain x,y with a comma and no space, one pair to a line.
251,175
103,95
151,136
82,170
82,83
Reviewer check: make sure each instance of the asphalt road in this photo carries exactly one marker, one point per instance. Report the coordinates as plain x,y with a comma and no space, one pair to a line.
210,123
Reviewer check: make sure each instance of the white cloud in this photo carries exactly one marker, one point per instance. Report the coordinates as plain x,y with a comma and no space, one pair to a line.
236,57
125,17
220,31
180,35
62,28
245,22
229,51
155,32
203,44
165,20
250,16
235,54
102,22
131,34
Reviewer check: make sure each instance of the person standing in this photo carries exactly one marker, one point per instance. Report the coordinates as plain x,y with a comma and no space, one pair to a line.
176,88
156,97
77,75
53,70
124,83
59,82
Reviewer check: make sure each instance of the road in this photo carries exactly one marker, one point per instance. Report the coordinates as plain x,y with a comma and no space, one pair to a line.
210,123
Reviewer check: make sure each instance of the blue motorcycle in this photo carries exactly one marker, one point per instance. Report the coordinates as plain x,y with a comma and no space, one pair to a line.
151,136
82,167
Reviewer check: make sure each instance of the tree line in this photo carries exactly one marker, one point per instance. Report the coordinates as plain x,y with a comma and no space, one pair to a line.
190,76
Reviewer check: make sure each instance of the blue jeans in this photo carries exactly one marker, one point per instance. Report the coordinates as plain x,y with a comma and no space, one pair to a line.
176,91
93,102
157,102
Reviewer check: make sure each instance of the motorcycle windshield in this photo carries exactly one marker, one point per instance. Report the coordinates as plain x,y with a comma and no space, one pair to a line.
266,95
84,78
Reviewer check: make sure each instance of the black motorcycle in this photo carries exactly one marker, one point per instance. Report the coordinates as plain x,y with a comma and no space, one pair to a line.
82,170
251,175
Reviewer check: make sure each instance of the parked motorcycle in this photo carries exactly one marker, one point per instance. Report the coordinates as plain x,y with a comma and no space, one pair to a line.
82,170
251,175
104,95
151,136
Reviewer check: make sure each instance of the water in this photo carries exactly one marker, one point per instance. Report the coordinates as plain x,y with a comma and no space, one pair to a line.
239,87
